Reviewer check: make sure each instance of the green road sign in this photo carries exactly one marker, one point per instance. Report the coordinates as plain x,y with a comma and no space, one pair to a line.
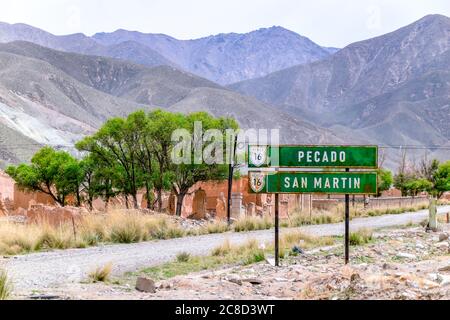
313,156
313,182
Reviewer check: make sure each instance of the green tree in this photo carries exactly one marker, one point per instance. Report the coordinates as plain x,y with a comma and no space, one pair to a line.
97,180
161,125
385,180
88,185
442,179
402,181
138,123
71,179
191,147
52,172
117,144
416,186
427,169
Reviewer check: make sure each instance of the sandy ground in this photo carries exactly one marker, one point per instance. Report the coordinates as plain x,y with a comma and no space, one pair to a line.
404,263
52,269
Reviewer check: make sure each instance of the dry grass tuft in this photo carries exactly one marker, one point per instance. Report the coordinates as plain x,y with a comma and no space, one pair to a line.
222,250
361,237
101,274
252,223
227,254
91,230
130,226
5,286
215,227
183,257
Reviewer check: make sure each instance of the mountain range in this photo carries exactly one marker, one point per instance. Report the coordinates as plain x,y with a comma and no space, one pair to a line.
55,97
393,89
223,58
390,90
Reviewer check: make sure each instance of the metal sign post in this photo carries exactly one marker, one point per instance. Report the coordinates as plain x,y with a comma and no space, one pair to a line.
347,226
277,231
230,180
331,181
230,187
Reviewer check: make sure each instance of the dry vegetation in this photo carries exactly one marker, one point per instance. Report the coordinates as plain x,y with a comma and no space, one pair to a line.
101,274
91,230
227,254
5,285
133,226
337,214
361,237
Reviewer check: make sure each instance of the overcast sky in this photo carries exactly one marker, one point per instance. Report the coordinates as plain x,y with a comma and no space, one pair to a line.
326,22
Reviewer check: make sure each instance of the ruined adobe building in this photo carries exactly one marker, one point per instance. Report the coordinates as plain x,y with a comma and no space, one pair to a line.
204,200
210,198
15,201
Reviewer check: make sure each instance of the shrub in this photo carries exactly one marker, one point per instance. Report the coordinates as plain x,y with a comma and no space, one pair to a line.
361,237
130,231
160,228
252,223
254,257
5,286
222,250
53,238
101,274
183,257
215,227
174,232
300,218
93,229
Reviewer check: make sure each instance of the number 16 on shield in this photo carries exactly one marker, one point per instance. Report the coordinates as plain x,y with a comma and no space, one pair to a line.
262,156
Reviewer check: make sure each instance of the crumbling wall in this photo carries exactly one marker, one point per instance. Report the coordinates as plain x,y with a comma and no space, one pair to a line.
23,199
216,200
53,215
6,194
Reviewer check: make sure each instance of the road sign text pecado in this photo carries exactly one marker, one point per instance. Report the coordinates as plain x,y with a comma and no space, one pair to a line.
313,156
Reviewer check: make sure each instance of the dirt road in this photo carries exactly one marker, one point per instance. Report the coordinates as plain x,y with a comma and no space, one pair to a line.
50,269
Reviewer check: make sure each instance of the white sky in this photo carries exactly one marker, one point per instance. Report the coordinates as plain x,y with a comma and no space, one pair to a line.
326,22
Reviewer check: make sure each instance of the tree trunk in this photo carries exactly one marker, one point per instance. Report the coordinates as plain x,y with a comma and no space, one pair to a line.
78,199
180,198
135,202
126,202
90,200
62,201
159,199
147,194
106,204
55,198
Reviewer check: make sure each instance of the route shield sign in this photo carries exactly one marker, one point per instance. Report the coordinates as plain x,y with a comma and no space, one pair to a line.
258,156
361,157
313,182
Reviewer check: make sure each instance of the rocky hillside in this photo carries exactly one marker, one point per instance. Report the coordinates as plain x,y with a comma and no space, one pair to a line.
393,89
389,90
54,97
223,58
79,43
227,58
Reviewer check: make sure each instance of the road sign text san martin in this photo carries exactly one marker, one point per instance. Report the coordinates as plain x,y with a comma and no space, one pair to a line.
322,182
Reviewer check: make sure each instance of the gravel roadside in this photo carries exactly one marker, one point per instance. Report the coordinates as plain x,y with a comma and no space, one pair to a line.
51,269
